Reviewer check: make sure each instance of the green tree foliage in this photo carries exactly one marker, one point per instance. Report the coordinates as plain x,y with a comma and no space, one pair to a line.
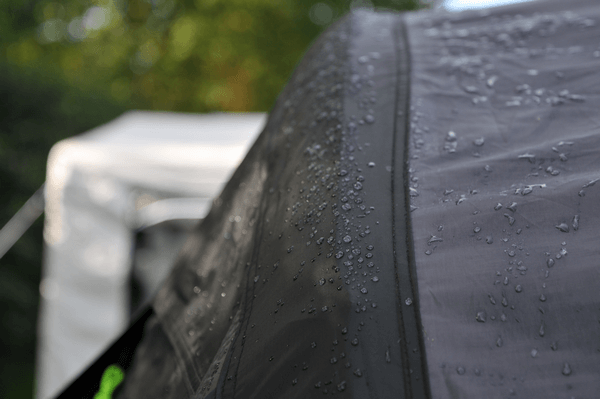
187,55
67,66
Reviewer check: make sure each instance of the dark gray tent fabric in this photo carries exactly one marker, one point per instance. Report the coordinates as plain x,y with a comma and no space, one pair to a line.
419,219
506,228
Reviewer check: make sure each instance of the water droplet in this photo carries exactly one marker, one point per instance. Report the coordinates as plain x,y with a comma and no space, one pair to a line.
492,299
563,227
369,118
554,346
543,298
375,279
358,373
499,342
341,386
354,342
512,207
364,290
388,357
576,222
460,370
534,352
567,369
408,301
333,360
480,317
322,281
503,317
479,142
542,331
433,239
550,262
371,164
313,345
347,239
294,381
527,190
477,229
577,98
518,288
489,239
528,156
511,220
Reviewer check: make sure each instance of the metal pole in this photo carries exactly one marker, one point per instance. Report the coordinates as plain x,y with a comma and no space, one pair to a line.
22,221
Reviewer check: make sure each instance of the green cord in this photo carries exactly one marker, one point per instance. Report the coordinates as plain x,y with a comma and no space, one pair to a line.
111,378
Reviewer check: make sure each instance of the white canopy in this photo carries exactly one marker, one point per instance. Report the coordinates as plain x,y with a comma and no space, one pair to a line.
139,170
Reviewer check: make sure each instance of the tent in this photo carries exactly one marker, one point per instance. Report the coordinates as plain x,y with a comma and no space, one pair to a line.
418,219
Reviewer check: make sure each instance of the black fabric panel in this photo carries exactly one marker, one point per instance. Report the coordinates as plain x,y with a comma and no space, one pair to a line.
509,293
293,312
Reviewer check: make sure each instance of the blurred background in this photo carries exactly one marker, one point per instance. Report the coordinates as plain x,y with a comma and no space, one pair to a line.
69,66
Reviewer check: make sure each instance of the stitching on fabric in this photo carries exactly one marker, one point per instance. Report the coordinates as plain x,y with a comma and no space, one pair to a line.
412,267
403,90
403,348
249,301
177,341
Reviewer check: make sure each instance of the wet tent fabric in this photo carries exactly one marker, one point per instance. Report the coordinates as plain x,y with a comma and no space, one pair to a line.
418,219
506,229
